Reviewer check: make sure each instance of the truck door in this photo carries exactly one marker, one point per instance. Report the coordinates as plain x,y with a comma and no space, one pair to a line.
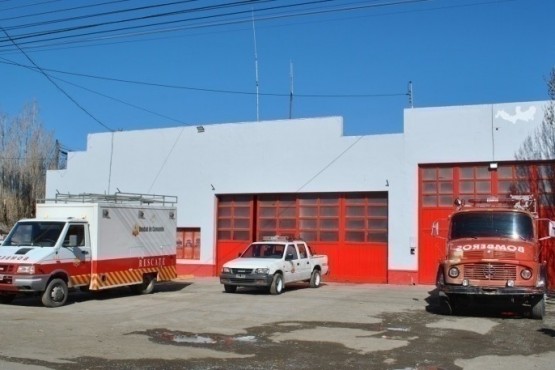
292,261
304,266
76,247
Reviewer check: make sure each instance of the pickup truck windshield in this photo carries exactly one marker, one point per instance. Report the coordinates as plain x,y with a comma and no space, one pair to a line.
513,225
43,234
264,251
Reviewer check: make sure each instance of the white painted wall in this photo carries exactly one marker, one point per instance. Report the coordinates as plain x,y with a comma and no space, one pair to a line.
288,156
301,155
476,133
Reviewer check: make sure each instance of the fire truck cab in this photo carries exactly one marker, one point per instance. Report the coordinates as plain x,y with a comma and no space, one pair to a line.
492,249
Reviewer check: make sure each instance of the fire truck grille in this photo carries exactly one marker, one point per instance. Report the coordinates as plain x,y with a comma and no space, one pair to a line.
490,254
489,271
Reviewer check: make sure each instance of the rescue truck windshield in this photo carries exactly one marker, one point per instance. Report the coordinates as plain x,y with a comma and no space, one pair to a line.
511,225
30,233
269,250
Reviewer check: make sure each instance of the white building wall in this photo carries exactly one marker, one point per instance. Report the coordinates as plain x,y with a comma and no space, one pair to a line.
296,156
476,133
288,156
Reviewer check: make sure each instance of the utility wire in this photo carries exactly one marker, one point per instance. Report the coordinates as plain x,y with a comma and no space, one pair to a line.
315,11
54,82
181,87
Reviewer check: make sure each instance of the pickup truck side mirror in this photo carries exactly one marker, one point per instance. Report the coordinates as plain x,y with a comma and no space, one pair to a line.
289,257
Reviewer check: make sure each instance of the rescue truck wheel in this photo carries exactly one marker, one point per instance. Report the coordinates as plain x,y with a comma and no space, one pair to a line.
146,287
55,294
230,288
7,298
277,284
315,279
537,311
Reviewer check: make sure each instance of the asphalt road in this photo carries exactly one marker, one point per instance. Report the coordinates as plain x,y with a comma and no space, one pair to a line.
193,324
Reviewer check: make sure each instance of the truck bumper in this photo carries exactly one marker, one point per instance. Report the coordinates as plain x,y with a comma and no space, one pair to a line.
495,291
23,283
253,280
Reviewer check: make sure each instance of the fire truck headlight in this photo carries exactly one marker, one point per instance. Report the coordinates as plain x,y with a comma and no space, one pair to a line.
510,283
226,270
26,269
526,274
453,272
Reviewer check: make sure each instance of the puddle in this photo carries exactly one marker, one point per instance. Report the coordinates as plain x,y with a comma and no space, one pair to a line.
200,339
195,339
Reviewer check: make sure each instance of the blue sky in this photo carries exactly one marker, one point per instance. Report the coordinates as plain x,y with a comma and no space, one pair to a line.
353,63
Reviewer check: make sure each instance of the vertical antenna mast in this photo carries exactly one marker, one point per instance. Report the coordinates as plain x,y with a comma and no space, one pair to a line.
291,89
255,66
411,102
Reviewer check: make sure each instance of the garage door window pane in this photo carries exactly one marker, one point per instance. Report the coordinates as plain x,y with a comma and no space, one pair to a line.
288,224
308,224
356,224
355,236
329,224
308,212
329,236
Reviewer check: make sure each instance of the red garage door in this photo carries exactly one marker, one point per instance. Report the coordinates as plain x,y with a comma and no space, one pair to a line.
351,228
440,185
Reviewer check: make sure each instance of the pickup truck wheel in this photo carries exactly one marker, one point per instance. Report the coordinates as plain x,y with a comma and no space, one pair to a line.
55,294
277,285
537,311
230,288
315,279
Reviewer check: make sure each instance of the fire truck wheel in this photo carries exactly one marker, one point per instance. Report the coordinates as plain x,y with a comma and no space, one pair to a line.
277,284
538,309
55,294
230,288
7,298
315,279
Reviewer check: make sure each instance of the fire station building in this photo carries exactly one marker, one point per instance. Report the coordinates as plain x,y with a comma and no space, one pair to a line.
368,202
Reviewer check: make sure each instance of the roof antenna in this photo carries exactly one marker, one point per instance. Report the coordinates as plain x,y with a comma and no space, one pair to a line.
255,66
291,89
409,93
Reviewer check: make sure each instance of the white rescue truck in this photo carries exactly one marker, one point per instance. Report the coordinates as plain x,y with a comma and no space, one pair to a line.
272,263
91,242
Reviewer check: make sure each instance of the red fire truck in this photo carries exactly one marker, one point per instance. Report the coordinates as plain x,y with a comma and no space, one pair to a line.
492,254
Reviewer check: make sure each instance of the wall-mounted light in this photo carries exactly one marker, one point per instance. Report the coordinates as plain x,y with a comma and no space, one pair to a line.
493,166
172,215
105,213
200,129
141,214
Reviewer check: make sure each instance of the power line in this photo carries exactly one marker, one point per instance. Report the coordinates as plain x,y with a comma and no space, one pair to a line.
54,83
200,89
270,16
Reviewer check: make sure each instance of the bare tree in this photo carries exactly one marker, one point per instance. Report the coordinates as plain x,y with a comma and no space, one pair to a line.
541,146
27,151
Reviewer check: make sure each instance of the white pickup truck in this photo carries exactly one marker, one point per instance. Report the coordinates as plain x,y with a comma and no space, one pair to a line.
272,263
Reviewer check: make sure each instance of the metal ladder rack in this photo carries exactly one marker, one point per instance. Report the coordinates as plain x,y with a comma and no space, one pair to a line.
118,197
